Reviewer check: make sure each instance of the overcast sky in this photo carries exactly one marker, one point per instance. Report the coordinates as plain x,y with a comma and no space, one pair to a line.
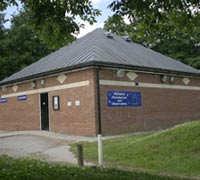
99,4
105,12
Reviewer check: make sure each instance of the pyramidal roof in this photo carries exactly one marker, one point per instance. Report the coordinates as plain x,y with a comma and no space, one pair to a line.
96,49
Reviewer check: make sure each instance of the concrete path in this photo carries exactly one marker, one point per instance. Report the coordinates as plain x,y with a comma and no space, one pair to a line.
38,144
49,134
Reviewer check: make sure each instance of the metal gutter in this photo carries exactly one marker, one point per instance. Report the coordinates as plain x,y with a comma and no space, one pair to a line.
98,101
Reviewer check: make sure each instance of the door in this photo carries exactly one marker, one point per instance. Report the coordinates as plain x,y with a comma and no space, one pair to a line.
44,105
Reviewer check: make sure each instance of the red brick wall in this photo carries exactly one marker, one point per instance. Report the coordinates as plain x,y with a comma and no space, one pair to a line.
23,115
75,119
20,115
161,108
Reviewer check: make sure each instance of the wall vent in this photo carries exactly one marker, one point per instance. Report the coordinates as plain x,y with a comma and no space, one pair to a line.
172,79
4,88
163,78
42,82
120,73
33,84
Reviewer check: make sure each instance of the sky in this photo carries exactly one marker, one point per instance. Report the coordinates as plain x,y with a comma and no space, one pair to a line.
105,12
98,4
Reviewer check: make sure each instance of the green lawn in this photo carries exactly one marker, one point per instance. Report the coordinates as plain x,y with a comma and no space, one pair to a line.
26,169
175,151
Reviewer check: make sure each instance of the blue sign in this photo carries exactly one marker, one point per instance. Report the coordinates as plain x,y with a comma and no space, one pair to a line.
22,98
124,98
3,100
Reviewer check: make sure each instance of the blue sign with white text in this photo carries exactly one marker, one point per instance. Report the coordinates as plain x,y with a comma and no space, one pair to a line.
3,100
124,98
22,98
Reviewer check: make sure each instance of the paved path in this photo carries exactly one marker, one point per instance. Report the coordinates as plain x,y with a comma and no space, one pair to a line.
49,134
38,144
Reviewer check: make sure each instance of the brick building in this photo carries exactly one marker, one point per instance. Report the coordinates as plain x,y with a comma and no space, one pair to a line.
101,82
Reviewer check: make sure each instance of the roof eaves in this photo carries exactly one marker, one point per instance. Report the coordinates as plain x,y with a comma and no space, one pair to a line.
147,69
47,73
101,64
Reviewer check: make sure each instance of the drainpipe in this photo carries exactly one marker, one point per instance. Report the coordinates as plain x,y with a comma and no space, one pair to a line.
99,137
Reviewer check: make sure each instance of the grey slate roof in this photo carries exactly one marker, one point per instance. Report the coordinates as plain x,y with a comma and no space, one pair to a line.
97,49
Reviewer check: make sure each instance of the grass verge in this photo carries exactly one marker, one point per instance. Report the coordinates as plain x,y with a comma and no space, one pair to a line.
27,169
175,151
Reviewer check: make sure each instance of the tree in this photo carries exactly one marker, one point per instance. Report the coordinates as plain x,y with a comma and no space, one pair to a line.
182,47
116,24
170,27
54,20
156,12
19,46
170,41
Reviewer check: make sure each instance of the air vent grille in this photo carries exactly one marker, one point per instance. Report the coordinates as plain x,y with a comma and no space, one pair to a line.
109,35
127,38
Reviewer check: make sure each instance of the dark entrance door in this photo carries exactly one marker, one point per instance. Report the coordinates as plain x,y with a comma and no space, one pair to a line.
44,104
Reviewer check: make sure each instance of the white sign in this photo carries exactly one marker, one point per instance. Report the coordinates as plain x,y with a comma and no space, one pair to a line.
77,103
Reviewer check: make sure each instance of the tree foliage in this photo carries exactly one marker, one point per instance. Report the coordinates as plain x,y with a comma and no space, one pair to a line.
54,20
116,24
154,12
19,45
171,41
170,27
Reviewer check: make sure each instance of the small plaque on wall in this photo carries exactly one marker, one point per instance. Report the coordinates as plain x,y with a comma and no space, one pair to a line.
69,103
56,103
3,100
22,98
77,103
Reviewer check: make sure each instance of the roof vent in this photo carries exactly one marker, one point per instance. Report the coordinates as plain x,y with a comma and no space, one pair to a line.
109,35
127,38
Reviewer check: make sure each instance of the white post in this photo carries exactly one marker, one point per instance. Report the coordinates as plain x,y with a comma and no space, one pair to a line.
100,150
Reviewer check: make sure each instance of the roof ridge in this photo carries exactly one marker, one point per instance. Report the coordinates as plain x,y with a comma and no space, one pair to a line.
96,42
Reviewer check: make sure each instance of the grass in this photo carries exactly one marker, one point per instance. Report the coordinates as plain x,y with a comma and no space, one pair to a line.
27,169
175,151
